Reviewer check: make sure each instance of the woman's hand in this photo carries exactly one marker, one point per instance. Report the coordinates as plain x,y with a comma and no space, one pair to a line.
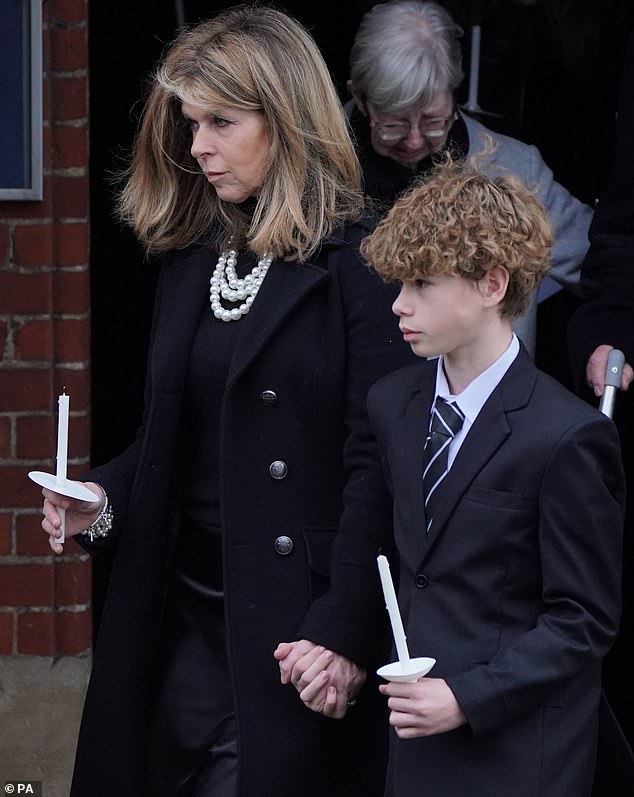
79,514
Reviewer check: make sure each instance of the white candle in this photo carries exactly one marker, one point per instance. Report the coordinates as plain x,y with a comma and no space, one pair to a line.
62,451
392,608
62,436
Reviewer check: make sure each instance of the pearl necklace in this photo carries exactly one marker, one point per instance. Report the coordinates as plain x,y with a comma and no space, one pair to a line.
224,283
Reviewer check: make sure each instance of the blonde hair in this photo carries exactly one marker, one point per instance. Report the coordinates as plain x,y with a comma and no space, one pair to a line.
258,59
459,222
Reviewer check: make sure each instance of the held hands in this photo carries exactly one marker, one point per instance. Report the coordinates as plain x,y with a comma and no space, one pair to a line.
595,370
326,681
79,514
424,708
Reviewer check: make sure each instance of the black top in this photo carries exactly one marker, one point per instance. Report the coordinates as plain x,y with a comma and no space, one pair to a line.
207,374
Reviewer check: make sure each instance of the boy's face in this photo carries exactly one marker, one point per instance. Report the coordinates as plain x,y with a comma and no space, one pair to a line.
440,314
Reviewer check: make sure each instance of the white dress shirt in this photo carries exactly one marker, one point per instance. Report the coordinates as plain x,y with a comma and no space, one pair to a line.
474,396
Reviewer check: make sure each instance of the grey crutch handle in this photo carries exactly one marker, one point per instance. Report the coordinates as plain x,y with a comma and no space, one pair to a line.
613,374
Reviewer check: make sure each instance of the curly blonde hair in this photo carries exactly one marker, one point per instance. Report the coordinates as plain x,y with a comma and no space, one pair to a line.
458,222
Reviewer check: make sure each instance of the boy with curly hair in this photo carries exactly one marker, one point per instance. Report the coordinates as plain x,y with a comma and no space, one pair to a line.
508,500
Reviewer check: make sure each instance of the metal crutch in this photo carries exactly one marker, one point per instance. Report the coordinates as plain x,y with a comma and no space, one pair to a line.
615,738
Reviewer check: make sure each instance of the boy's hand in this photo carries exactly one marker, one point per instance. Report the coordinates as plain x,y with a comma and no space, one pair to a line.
423,708
326,681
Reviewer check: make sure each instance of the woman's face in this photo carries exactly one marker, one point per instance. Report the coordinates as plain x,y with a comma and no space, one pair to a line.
413,134
231,147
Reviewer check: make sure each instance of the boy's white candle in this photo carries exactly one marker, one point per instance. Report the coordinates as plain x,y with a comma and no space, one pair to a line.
62,452
392,608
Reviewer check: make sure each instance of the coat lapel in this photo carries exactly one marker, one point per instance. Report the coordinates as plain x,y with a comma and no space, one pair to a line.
285,285
186,290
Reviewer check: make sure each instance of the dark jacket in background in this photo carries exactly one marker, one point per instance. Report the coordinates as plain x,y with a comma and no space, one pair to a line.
607,317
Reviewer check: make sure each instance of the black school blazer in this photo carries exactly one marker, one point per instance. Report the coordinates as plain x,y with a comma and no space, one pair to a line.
516,592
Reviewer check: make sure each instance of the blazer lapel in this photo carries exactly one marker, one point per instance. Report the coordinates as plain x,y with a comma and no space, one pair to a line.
488,433
409,477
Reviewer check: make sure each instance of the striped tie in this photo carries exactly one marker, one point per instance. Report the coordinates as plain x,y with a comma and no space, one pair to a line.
446,422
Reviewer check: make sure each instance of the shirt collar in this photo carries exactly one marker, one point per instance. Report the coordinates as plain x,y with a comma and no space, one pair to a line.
474,396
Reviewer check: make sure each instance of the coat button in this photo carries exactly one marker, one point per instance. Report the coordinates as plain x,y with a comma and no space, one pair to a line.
283,545
269,397
421,581
278,469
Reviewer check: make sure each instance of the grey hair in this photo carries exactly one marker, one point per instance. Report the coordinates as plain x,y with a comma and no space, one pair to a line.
405,52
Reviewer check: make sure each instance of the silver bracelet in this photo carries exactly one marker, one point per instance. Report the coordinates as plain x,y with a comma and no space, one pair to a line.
102,525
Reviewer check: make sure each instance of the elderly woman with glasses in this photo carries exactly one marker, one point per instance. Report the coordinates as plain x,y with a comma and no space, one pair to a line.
405,65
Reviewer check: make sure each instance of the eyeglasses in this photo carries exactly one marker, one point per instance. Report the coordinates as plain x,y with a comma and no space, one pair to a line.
429,129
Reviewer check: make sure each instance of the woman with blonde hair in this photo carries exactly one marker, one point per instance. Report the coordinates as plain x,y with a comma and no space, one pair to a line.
268,331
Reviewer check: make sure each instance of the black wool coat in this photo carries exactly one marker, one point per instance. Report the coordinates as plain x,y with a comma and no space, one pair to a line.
607,273
318,335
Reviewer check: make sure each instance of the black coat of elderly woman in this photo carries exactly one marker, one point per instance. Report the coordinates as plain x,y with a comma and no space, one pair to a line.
268,331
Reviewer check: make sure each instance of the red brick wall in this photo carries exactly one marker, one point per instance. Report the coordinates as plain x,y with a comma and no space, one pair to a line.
44,346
